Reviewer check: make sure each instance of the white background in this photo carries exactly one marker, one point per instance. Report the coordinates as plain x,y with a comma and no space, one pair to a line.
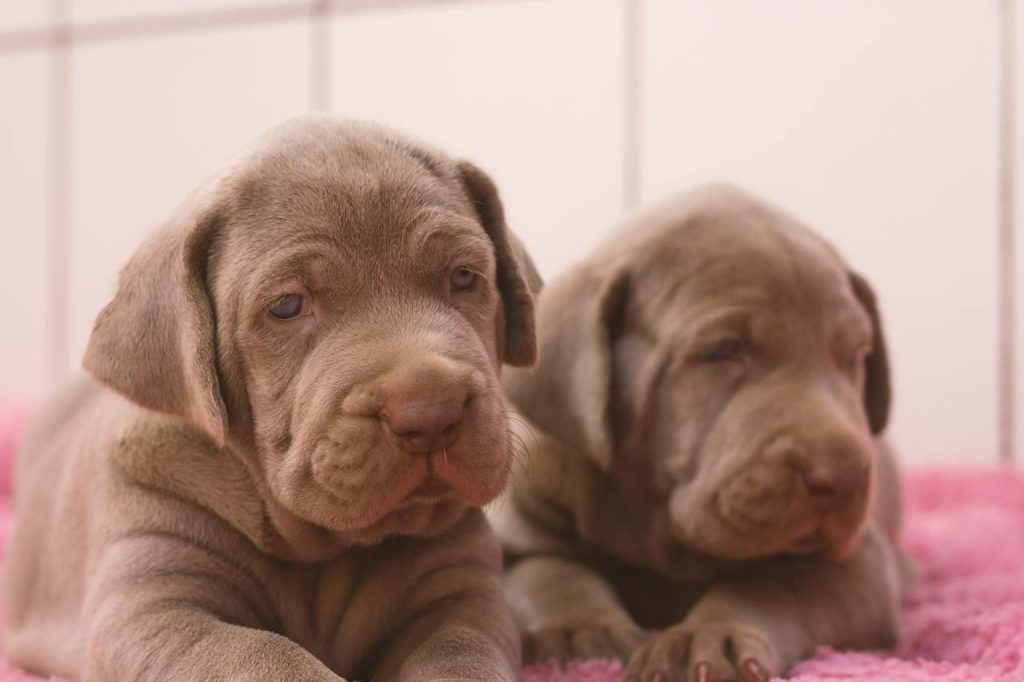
874,120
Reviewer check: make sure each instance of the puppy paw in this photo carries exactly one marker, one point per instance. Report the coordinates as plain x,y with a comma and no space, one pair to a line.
611,638
719,652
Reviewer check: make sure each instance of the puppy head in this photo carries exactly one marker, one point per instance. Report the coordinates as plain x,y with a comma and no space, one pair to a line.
718,358
335,308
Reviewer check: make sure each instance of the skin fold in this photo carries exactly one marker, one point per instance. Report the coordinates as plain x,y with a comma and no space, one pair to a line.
701,451
294,413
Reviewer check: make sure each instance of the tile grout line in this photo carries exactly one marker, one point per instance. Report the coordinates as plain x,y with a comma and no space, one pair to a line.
58,282
320,56
133,28
632,123
1007,218
130,28
373,6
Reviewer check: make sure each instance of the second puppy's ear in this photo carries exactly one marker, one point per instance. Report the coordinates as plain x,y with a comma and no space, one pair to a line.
568,394
877,383
517,276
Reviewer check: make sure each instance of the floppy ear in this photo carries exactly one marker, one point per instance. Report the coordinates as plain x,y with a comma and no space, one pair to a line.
568,394
877,388
517,276
154,342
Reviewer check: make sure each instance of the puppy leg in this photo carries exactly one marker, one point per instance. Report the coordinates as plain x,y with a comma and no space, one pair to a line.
163,608
152,633
456,627
567,610
755,626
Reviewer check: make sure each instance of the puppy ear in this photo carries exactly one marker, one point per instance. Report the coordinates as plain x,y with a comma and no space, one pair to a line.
154,342
517,276
568,394
877,388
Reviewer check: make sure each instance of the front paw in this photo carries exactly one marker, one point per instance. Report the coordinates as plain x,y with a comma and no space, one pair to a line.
607,638
714,652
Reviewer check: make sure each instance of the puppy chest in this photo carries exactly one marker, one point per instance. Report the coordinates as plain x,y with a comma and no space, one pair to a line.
338,611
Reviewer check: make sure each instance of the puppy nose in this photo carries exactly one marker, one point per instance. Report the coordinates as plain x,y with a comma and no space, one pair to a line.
832,471
424,403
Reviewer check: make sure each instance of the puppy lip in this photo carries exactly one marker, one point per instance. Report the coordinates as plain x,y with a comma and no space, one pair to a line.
834,543
431,489
841,552
425,517
808,543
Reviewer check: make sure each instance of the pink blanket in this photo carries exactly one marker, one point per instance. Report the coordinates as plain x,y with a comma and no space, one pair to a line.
964,621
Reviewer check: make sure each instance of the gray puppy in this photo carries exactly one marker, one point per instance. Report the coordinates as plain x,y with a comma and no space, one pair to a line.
295,412
701,451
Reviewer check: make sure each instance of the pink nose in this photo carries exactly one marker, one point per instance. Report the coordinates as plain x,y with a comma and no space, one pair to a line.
833,471
424,404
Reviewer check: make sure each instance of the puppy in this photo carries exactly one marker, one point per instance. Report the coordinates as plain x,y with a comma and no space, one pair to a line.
701,451
295,413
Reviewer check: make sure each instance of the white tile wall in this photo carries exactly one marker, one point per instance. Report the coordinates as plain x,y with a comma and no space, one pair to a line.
876,122
1019,236
23,14
151,120
531,91
23,224
100,10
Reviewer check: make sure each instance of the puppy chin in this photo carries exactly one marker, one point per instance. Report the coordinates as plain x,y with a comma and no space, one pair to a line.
836,539
415,520
842,543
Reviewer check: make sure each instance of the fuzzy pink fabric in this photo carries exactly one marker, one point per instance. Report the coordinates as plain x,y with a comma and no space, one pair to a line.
963,622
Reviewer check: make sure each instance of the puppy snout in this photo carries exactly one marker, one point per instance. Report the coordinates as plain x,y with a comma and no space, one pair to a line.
424,404
423,426
832,471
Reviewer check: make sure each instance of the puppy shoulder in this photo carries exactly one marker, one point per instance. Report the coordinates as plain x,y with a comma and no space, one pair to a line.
171,462
151,447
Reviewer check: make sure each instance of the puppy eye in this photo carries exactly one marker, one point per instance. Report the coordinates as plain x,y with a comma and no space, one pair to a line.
720,351
288,307
462,279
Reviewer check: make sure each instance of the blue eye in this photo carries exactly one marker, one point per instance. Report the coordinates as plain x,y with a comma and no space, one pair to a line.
462,279
288,307
720,351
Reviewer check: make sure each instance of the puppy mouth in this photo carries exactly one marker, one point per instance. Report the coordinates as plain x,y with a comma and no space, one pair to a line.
809,543
835,543
417,520
431,490
432,501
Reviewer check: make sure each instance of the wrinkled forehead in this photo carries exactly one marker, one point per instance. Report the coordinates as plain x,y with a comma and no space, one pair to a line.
370,204
722,272
341,182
